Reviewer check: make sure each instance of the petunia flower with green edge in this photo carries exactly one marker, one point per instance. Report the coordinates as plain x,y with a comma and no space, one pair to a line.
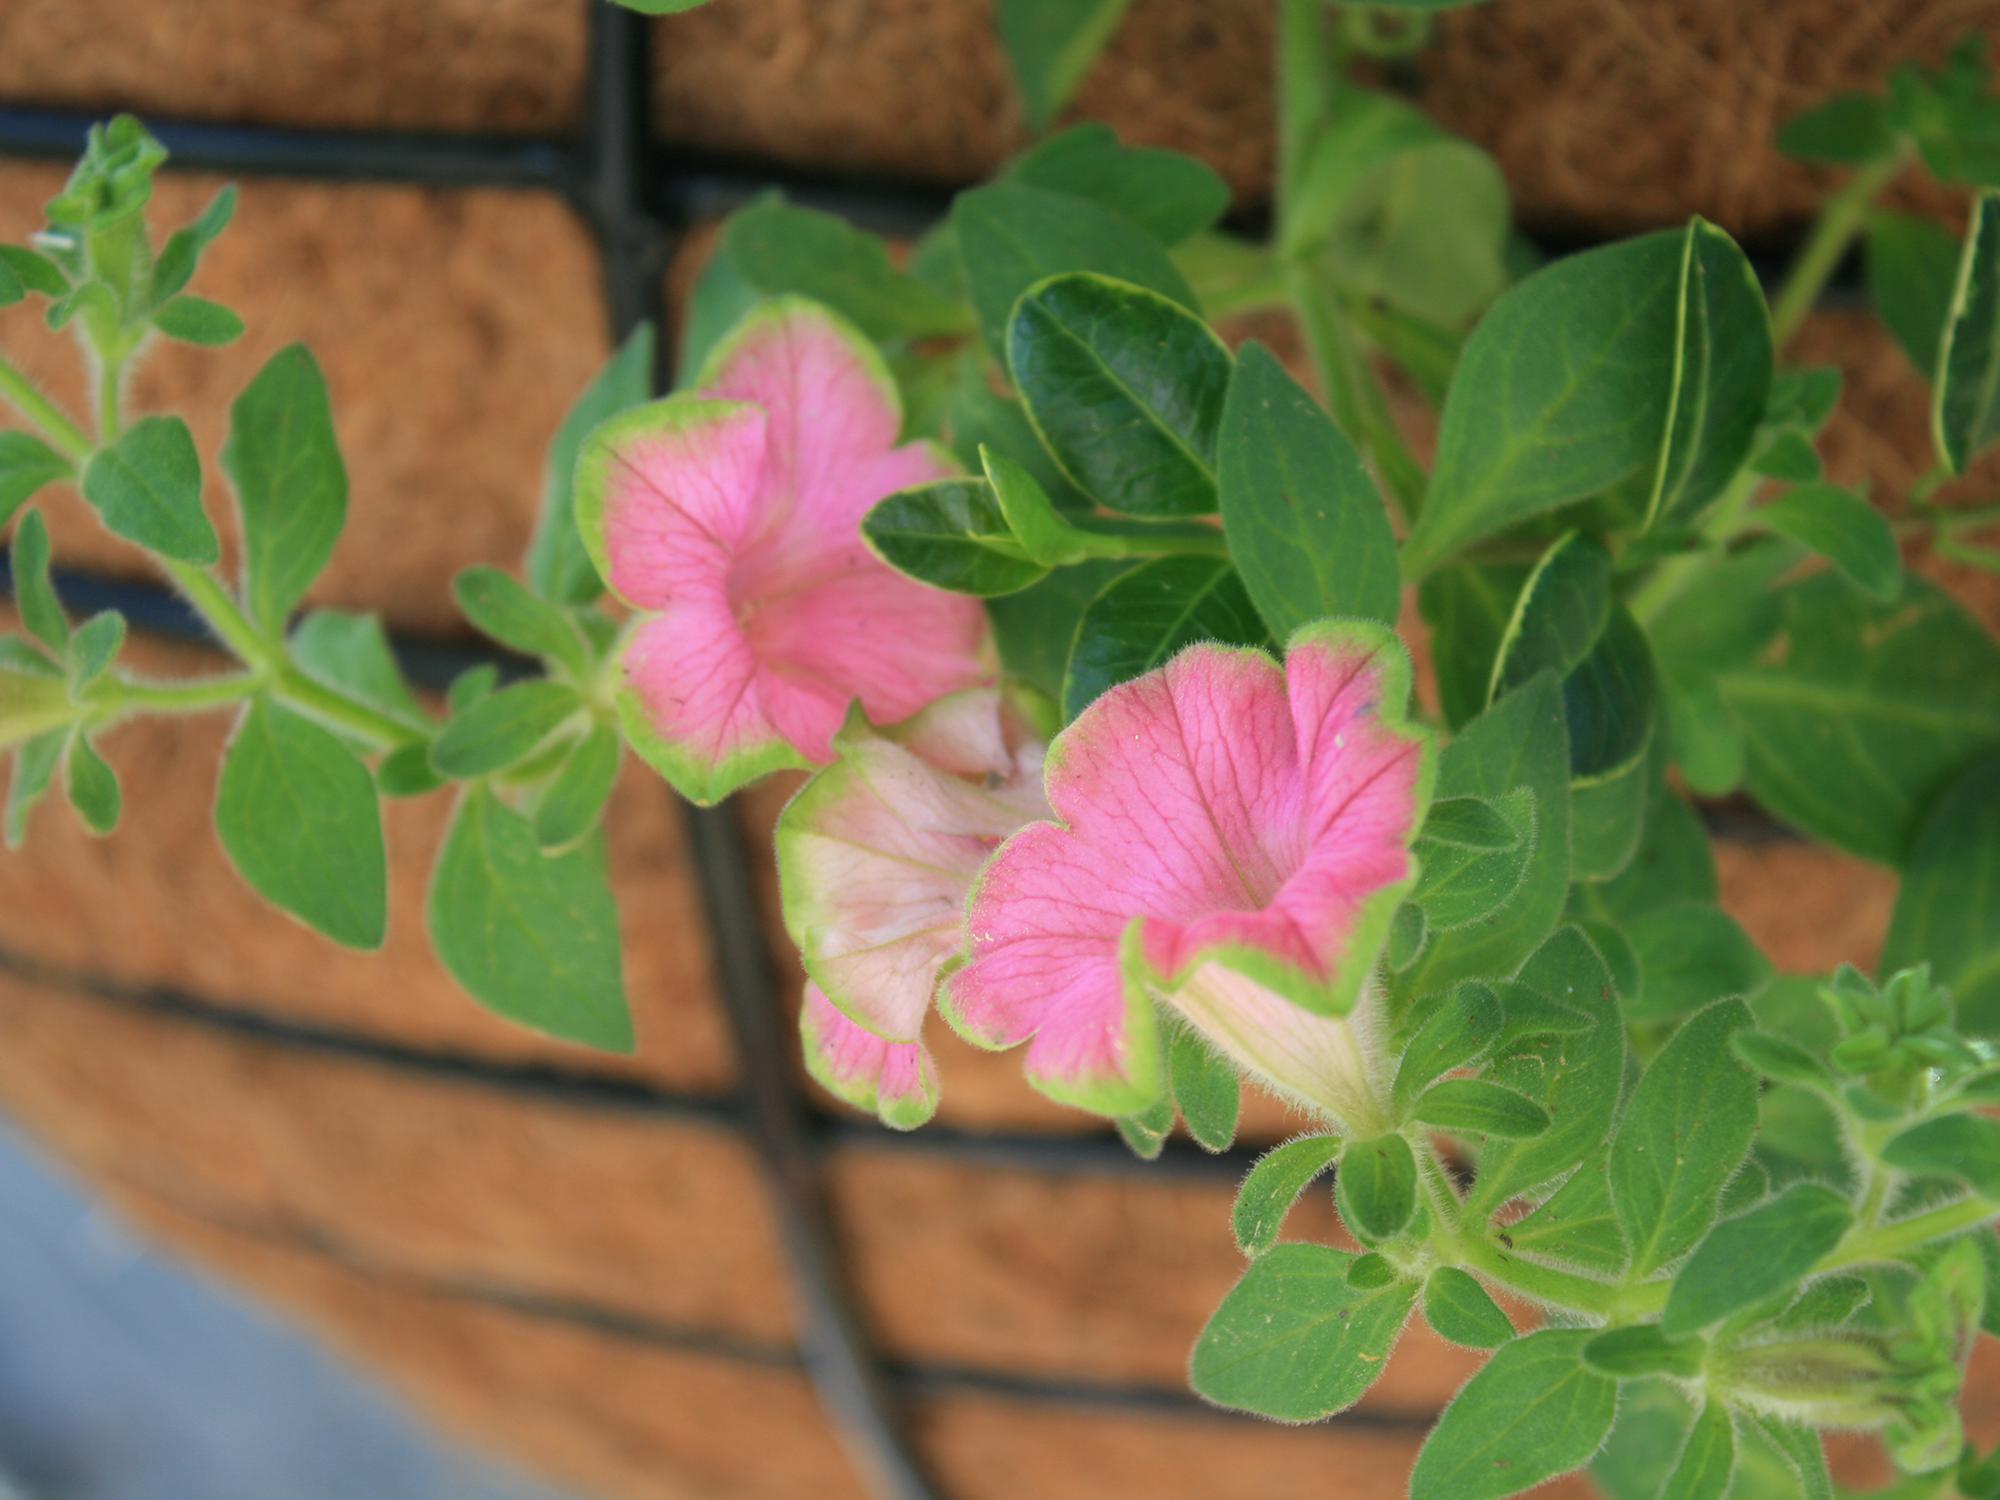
875,856
730,519
1230,840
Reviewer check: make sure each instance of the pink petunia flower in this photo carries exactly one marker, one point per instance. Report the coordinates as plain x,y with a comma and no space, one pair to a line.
731,519
1232,839
875,857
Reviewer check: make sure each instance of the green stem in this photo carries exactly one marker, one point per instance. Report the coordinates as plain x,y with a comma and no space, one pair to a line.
125,695
110,378
20,392
1888,1241
1676,573
296,690
1359,407
1541,1283
1304,91
1205,541
222,614
1840,220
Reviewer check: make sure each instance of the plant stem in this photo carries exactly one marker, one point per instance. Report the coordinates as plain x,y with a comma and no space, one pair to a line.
310,696
1303,92
110,377
221,614
198,695
1901,1236
1840,219
1541,1283
1676,573
20,392
1205,541
1359,408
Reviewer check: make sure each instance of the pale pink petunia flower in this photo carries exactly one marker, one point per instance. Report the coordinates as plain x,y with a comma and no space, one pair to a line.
875,857
730,518
1230,841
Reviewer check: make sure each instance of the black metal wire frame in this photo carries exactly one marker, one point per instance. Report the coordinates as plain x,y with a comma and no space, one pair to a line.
637,202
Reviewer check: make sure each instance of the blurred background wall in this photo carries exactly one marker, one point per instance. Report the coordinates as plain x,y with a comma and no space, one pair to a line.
576,1260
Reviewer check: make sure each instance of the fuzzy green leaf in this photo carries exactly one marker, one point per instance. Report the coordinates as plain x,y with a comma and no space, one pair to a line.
1456,1031
26,464
1050,45
1708,1462
1948,909
780,248
1295,1340
532,936
1844,529
291,485
1756,1255
1684,1133
1305,522
1534,1411
1206,1089
196,320
1376,1187
1912,266
557,566
147,488
1274,1185
92,786
1169,195
1966,1147
573,802
1643,1349
1458,1308
1473,1104
34,595
502,728
1689,955
298,816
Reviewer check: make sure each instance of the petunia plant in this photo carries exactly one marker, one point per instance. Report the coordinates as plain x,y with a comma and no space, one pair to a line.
1158,710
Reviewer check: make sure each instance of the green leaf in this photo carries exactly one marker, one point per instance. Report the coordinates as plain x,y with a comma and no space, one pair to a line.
1607,814
1567,622
951,535
1050,45
1376,1188
1826,1302
502,728
1305,523
1721,375
1844,529
1866,711
1966,1147
1126,389
1371,1272
1011,236
1788,455
1688,956
1028,515
183,251
1644,1349
94,647
1457,1307
26,464
1459,883
1167,194
12,289
1520,742
1912,266
1035,628
1467,608
1684,1133
297,814
1564,389
291,486
780,248
1273,1186
1295,1340
35,271
1849,129
1948,909
1756,1255
147,488
1147,614
35,764
1532,1413
196,320
532,936
502,608
575,800
1708,1462
406,772
557,566
1780,1060
1457,1031
1575,1224
1965,398
1576,1079
1800,1448
1473,1104
352,653
92,785
34,595
1206,1089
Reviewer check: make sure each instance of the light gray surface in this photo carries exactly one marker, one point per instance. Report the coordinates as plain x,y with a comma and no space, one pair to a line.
126,1375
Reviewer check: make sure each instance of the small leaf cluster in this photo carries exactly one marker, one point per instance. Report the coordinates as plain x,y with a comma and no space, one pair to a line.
326,724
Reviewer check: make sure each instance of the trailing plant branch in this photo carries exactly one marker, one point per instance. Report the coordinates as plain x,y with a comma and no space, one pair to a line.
20,392
1840,220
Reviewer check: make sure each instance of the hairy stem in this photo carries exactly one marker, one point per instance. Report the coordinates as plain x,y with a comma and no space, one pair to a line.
1840,219
1900,1236
310,696
125,695
1203,541
19,392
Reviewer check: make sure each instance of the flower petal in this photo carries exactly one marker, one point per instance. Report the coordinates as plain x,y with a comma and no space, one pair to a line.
835,412
666,494
690,704
1048,966
876,854
897,1080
